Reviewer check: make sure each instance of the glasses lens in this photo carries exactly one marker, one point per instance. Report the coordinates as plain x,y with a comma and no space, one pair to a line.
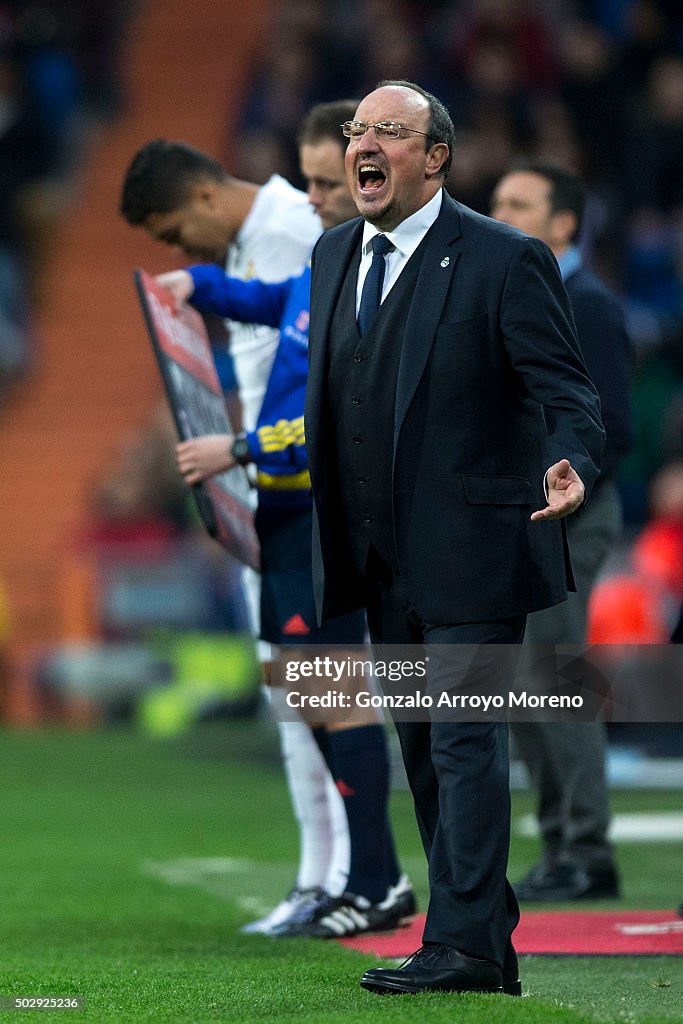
383,130
387,130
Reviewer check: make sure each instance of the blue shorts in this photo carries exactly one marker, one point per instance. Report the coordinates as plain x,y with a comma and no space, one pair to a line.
288,616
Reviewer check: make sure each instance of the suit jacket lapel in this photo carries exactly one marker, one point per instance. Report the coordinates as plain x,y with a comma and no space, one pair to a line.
327,290
336,264
436,271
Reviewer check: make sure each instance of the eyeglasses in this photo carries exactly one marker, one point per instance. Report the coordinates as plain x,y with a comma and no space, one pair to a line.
383,130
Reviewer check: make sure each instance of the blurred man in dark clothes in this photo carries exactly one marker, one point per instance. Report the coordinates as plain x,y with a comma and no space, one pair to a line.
566,761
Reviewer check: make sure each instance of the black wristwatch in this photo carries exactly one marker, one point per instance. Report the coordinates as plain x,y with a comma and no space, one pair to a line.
240,450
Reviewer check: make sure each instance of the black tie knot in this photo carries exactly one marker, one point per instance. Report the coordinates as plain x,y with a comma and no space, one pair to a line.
381,245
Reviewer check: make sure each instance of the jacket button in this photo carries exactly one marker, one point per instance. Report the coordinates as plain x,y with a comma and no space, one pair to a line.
357,358
357,439
356,399
362,479
368,519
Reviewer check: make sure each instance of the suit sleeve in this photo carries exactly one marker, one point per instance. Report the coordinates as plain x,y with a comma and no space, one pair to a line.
539,334
250,302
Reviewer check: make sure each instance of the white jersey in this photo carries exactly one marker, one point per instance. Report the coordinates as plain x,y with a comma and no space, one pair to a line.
273,243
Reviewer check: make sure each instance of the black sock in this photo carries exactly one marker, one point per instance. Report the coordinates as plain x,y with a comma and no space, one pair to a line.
320,735
361,771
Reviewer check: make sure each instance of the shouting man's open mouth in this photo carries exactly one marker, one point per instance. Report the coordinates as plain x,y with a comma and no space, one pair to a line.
370,178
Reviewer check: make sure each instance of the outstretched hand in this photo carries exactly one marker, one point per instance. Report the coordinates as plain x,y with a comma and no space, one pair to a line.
565,492
179,283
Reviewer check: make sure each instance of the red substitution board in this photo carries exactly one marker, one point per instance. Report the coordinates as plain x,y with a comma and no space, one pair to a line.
183,353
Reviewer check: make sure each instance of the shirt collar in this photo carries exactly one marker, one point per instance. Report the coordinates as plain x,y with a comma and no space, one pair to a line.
570,261
410,232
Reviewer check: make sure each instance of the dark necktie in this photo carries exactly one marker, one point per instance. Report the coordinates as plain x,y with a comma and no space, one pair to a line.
371,296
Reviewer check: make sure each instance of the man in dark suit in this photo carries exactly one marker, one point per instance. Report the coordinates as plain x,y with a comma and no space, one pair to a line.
432,423
566,760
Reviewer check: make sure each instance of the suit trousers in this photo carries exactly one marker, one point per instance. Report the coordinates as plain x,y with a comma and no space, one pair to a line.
566,760
458,773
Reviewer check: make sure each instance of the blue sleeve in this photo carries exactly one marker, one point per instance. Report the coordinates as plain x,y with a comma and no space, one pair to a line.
250,302
280,445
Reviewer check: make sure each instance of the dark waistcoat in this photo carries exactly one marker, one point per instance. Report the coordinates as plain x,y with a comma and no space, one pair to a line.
361,392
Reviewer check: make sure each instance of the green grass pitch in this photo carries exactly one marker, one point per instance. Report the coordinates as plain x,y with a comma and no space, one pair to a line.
127,866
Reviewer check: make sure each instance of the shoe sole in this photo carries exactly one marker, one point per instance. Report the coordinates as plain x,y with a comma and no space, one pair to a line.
566,896
512,988
387,989
361,932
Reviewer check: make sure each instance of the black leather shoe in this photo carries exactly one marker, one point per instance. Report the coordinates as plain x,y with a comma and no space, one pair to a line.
512,986
544,884
435,967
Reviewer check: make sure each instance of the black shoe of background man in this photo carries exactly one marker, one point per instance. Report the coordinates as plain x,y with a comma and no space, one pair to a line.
559,882
680,910
435,967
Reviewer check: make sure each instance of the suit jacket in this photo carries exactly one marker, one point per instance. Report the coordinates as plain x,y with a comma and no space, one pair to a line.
491,391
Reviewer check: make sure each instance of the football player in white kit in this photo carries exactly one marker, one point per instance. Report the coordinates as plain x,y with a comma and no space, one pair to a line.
264,232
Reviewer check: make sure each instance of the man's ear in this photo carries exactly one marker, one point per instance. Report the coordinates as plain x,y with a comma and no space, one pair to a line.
204,193
563,226
436,158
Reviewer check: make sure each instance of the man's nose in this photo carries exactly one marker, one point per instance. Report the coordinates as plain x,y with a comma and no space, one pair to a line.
368,140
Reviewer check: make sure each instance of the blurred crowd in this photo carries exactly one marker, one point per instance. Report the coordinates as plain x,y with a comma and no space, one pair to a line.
594,86
59,80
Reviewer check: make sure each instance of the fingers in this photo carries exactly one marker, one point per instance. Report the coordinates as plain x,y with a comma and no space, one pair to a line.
565,492
561,474
191,472
178,283
548,513
202,457
187,462
562,505
562,467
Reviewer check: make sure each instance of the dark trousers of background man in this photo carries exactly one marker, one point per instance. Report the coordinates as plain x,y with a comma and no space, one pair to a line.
566,761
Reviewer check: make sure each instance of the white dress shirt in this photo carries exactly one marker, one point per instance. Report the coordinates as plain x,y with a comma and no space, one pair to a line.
273,243
405,239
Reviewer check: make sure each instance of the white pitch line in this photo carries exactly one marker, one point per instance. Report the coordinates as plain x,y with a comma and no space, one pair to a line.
190,870
253,886
657,827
